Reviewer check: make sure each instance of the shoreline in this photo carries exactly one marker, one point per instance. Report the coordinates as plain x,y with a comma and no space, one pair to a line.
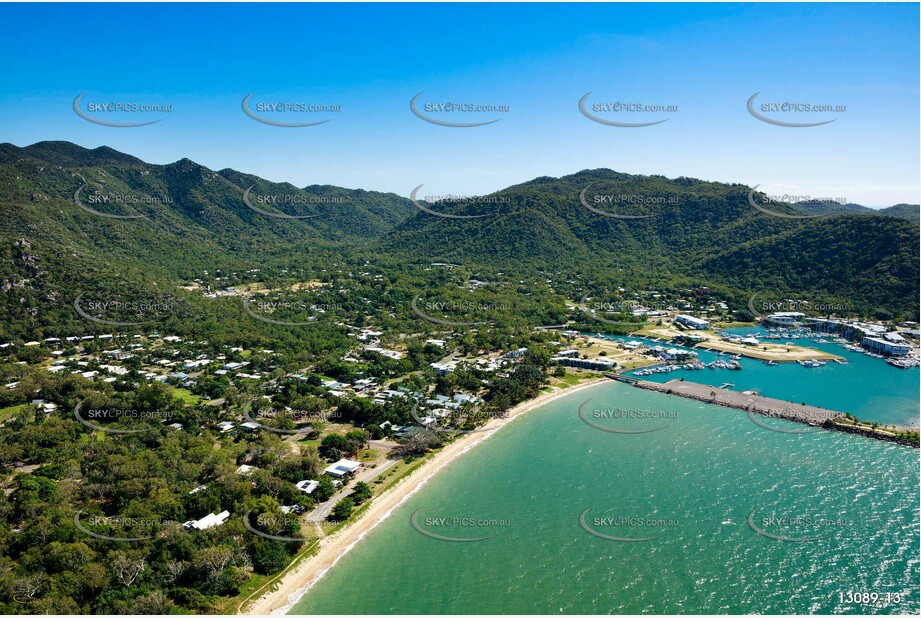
295,584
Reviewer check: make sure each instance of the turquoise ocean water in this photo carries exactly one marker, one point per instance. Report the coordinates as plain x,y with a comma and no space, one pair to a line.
849,506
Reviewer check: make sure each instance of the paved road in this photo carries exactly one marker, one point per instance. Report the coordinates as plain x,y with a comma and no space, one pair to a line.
322,511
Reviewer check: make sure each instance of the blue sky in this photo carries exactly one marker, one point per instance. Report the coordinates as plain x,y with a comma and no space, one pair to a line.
537,59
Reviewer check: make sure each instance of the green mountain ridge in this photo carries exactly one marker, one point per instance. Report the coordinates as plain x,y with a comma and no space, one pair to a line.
196,220
698,229
909,212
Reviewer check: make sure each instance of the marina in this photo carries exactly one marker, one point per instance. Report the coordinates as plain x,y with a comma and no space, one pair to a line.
855,382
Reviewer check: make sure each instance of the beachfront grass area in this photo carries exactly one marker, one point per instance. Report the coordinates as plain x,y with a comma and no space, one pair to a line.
573,377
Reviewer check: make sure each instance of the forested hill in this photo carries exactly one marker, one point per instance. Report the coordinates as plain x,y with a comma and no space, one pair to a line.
65,230
76,219
191,214
909,212
719,232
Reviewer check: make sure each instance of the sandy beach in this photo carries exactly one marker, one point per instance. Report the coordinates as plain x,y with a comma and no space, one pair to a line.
296,582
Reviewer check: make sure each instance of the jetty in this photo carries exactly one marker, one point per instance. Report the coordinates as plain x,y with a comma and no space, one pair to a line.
765,406
769,407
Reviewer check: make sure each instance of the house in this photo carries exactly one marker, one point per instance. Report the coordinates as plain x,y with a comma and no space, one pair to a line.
194,364
568,353
250,426
208,521
225,426
307,486
342,468
443,369
394,354
360,385
516,353
246,470
691,322
465,398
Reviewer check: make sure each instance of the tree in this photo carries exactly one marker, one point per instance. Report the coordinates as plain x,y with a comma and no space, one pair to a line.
418,442
326,489
213,559
361,492
342,510
334,446
127,568
26,588
153,603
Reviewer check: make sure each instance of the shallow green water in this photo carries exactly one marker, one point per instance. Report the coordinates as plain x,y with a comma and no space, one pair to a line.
697,478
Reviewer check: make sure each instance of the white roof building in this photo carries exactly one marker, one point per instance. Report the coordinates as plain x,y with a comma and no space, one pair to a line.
209,521
225,426
307,486
691,321
342,467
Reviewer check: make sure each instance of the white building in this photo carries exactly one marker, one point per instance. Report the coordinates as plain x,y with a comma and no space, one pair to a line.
342,468
307,486
443,369
225,426
691,322
208,521
877,344
786,318
598,364
246,469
